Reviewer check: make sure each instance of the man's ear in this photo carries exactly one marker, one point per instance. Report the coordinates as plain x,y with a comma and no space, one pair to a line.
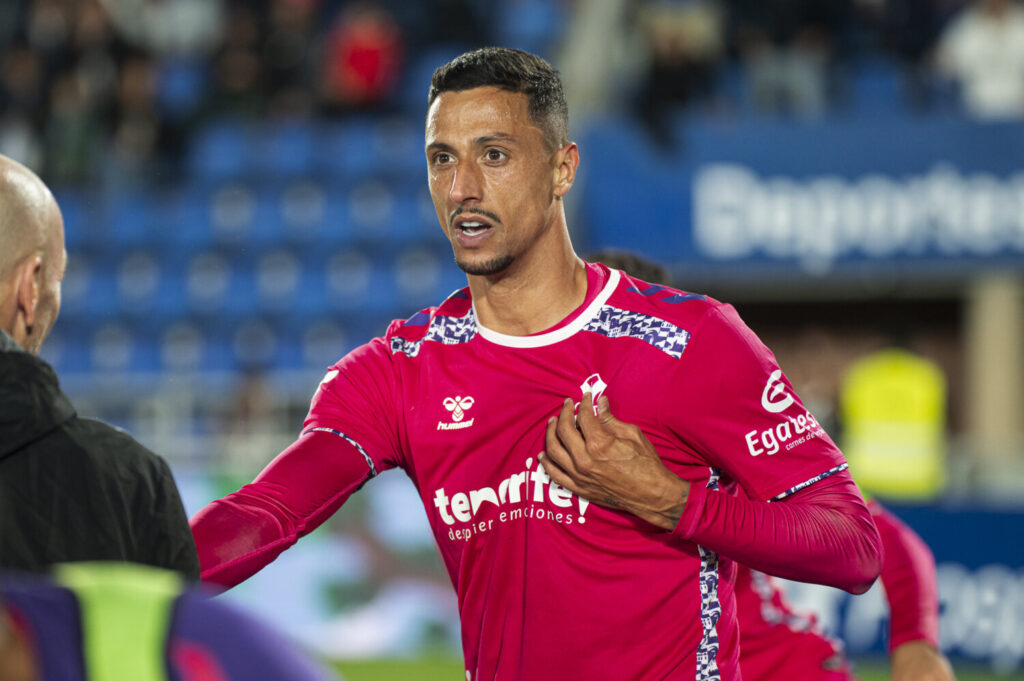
28,282
567,160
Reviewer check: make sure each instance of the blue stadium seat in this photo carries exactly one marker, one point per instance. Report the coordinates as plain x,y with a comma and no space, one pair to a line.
304,209
218,286
278,276
188,221
189,345
182,347
133,219
241,214
286,149
220,151
347,151
356,282
382,215
531,25
257,344
116,347
325,340
182,84
82,231
151,286
90,286
424,277
412,96
398,142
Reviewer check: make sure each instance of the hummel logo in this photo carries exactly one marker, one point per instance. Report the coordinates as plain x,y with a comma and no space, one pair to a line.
457,406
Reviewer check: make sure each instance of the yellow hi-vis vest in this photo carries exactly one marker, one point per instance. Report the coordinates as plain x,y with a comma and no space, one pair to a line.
126,614
893,410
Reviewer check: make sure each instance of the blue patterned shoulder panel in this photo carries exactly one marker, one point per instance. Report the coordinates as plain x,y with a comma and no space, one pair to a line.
616,323
443,329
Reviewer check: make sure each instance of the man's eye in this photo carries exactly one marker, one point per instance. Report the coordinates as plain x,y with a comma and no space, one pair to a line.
495,155
442,158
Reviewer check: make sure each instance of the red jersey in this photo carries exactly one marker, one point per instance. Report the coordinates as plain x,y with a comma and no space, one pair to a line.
549,585
779,642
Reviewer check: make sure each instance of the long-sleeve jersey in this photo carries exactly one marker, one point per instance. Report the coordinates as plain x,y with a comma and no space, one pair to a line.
549,585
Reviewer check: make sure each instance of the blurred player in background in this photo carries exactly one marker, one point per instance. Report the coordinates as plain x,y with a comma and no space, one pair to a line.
70,488
780,642
120,622
596,552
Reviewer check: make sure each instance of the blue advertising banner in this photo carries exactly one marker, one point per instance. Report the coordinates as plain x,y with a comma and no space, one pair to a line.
979,558
914,191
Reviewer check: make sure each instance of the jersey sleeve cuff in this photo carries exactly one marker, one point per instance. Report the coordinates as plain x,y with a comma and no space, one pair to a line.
692,510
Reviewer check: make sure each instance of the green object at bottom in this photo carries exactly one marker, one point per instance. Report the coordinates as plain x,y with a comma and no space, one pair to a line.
126,612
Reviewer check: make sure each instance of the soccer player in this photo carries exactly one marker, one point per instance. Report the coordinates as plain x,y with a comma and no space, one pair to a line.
71,488
123,621
582,544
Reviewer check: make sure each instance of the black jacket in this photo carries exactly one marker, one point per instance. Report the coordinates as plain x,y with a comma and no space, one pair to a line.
77,489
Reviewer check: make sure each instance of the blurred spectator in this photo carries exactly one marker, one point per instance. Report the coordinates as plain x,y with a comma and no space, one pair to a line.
686,43
237,69
427,24
23,80
903,32
290,55
181,27
982,50
137,131
23,96
787,48
362,59
72,136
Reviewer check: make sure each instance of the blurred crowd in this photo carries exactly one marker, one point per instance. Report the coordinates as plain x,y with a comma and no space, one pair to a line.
109,91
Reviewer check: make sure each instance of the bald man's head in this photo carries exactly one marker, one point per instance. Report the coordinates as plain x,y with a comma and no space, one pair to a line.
32,257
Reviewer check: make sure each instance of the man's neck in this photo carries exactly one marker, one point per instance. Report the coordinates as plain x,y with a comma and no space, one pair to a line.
530,299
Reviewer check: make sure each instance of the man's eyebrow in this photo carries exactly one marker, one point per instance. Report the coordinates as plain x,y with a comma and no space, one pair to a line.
479,141
496,137
440,146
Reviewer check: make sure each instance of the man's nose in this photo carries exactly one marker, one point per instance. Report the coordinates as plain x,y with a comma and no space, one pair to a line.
467,183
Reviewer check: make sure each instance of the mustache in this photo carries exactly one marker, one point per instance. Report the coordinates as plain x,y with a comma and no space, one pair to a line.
473,211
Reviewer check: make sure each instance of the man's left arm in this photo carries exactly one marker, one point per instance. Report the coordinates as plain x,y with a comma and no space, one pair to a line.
822,533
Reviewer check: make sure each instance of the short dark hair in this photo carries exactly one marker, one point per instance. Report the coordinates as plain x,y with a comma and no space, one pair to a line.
515,71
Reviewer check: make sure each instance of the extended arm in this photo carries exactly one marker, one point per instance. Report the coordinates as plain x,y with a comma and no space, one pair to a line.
908,575
240,534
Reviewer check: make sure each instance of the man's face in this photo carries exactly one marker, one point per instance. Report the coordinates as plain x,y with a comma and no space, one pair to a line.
492,179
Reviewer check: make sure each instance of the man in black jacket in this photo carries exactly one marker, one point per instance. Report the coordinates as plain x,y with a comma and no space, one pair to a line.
71,489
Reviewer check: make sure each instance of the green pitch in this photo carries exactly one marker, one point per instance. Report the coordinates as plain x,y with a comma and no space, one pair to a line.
442,669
